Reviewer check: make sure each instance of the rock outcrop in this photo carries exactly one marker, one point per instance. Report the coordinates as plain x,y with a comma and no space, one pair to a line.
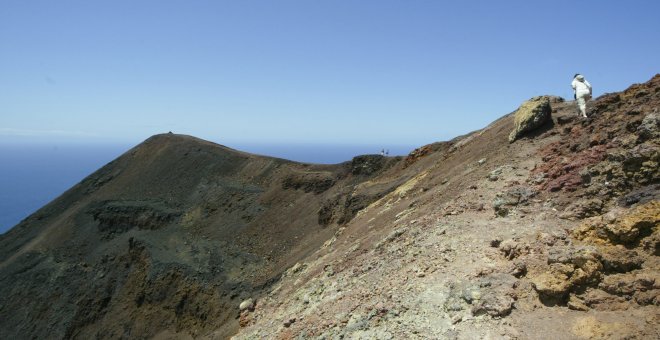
531,115
614,260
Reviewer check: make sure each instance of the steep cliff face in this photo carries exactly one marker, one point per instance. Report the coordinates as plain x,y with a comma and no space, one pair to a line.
554,234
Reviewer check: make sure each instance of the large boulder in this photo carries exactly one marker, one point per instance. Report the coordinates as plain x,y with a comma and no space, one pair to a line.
531,115
650,127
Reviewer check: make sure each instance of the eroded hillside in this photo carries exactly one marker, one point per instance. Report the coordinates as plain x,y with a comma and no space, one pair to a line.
170,237
554,235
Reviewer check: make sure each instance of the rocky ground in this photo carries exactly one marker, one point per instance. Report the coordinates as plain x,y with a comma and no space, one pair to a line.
170,238
541,225
552,236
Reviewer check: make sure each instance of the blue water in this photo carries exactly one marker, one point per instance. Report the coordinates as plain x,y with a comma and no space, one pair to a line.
33,175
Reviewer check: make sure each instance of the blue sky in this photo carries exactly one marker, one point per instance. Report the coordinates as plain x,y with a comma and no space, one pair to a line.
310,72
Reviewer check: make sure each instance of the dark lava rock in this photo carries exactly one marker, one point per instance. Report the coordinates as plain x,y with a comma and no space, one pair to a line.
119,216
314,182
367,164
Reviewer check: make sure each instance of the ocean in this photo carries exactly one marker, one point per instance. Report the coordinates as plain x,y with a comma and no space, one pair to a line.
33,175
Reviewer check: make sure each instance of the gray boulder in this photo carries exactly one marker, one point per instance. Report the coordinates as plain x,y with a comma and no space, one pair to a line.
650,127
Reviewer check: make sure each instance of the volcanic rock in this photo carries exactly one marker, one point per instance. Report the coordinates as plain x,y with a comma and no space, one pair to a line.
531,115
168,240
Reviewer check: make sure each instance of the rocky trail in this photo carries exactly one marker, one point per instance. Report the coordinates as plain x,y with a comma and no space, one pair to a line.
552,236
541,225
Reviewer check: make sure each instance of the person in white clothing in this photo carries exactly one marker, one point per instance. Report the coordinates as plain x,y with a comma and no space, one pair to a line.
581,92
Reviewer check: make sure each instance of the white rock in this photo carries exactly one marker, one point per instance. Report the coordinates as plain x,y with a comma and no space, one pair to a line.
246,304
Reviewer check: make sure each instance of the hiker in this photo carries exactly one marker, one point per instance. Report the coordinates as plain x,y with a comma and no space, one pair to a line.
581,92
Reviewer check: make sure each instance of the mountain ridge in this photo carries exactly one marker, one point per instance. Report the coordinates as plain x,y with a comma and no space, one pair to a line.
484,244
169,238
167,188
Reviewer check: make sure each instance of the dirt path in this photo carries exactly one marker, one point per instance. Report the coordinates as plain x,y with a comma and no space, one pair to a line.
439,258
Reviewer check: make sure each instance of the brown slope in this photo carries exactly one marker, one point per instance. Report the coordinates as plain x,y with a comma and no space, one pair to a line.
170,237
482,244
413,237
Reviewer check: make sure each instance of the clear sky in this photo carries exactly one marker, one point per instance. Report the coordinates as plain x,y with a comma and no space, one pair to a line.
329,72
